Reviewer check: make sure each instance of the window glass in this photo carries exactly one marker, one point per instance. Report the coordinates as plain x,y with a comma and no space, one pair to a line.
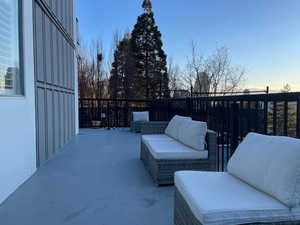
11,80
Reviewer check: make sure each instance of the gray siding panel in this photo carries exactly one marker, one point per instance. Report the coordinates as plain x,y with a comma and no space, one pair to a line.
41,128
55,53
56,122
48,51
50,124
39,41
54,75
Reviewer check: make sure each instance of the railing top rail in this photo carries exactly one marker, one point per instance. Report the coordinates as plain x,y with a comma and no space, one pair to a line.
115,100
291,96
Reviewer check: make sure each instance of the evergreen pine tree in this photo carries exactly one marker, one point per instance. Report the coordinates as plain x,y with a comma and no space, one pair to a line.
150,58
121,82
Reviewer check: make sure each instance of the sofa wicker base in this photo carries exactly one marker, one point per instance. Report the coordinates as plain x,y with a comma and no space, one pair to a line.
183,214
162,171
136,126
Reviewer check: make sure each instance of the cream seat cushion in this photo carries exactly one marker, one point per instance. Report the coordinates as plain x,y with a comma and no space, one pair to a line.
172,149
140,116
271,164
192,133
175,125
221,199
156,137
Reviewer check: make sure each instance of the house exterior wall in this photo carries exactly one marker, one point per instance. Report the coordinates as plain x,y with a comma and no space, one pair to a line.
37,125
17,119
54,50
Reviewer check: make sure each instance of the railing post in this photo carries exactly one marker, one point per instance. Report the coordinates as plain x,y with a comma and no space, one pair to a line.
108,115
169,109
234,127
189,106
126,114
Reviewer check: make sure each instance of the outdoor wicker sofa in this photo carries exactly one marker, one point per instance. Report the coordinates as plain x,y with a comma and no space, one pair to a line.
262,186
164,164
137,119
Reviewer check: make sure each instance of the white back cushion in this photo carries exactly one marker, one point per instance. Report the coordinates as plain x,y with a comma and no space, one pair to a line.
140,116
193,133
271,164
175,124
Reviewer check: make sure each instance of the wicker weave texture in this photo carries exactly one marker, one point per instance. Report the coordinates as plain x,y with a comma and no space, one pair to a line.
154,127
183,214
162,171
136,126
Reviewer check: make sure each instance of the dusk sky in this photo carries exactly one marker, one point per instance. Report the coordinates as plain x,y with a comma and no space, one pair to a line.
263,36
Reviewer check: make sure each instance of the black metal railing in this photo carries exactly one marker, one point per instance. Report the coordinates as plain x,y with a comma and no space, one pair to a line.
232,117
109,113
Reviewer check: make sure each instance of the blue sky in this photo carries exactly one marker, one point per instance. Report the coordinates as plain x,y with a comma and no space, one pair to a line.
262,35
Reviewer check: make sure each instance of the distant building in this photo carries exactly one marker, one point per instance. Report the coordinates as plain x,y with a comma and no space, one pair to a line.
202,83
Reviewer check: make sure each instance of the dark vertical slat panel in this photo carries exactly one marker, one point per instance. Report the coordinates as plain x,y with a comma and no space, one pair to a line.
55,56
72,20
68,16
66,116
39,45
70,116
56,121
62,119
60,11
68,67
41,138
50,123
61,60
48,50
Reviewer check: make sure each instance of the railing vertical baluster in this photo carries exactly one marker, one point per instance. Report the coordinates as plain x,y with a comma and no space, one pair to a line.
188,107
249,117
108,115
242,116
266,111
274,118
235,127
256,117
126,114
298,118
228,140
222,134
285,125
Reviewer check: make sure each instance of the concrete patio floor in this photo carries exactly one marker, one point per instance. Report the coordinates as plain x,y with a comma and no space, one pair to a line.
97,180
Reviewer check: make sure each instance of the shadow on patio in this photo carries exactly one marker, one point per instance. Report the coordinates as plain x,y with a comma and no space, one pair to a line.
98,179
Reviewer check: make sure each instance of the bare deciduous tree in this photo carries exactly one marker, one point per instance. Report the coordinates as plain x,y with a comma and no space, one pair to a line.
223,77
92,77
194,67
212,74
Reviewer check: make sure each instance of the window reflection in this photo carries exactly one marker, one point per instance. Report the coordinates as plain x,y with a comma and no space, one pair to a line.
10,76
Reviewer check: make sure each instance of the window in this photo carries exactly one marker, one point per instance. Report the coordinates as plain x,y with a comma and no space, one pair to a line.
11,77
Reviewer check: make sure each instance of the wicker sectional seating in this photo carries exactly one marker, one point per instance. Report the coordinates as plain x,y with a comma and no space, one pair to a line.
261,186
137,120
163,155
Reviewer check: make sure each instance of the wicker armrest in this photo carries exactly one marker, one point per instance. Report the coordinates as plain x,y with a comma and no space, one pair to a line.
211,140
154,127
